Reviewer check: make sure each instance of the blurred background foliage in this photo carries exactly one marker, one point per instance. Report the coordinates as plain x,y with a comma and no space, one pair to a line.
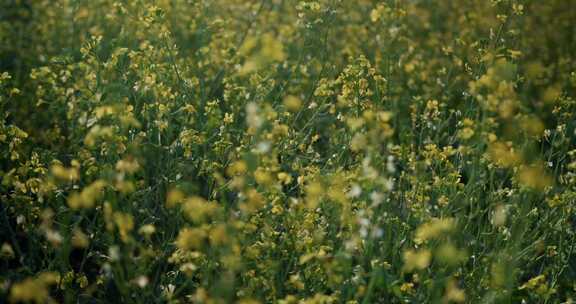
283,151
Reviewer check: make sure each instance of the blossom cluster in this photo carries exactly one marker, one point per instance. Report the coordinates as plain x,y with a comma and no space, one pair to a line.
268,151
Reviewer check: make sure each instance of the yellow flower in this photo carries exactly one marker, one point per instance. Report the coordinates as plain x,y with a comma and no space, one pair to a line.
314,191
466,133
374,15
218,235
533,126
188,268
407,287
65,174
453,293
82,280
190,238
292,103
147,230
198,209
280,130
284,178
128,165
34,290
98,132
228,118
79,239
534,177
503,154
262,176
125,224
449,254
88,196
6,252
434,229
237,168
358,142
272,48
100,112
254,201
277,209
416,259
174,197
296,281
539,285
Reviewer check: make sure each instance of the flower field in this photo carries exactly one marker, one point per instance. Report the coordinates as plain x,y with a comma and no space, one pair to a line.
287,151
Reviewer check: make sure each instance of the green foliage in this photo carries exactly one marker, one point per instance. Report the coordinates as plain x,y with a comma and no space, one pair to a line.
267,151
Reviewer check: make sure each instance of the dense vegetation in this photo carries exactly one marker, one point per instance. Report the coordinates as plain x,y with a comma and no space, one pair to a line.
282,151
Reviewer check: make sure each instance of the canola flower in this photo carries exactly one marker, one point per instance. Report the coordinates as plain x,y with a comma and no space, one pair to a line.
305,151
